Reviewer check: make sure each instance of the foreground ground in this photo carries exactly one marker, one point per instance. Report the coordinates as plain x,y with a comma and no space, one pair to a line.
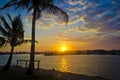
19,74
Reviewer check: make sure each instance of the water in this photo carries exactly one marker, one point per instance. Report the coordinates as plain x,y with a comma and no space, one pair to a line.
94,65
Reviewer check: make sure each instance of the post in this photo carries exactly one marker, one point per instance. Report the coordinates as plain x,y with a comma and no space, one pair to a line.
38,64
17,62
20,63
26,64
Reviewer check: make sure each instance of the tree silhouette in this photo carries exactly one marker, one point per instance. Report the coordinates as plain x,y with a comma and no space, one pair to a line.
37,6
12,33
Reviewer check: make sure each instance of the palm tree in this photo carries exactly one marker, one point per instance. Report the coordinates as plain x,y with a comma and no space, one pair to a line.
37,6
12,33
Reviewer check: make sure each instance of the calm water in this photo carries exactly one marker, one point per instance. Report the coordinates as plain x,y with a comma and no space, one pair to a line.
94,65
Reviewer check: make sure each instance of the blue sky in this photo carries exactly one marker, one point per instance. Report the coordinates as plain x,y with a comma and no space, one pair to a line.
93,24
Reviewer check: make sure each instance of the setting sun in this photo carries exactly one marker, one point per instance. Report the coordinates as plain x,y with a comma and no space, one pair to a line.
63,48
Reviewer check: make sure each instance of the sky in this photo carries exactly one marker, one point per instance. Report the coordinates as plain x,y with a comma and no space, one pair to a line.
93,24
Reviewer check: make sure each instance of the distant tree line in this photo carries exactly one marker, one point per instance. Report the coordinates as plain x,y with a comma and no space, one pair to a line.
77,52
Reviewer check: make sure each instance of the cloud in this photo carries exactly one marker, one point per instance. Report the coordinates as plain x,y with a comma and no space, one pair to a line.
93,21
45,21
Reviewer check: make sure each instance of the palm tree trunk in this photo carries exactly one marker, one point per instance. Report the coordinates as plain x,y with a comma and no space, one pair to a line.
7,66
30,69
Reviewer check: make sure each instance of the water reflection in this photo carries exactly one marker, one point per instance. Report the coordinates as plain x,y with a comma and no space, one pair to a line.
64,65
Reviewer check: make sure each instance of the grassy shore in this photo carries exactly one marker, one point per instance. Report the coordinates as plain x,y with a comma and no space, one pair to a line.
19,74
14,75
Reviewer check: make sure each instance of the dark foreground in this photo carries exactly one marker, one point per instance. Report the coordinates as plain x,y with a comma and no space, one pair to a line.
18,73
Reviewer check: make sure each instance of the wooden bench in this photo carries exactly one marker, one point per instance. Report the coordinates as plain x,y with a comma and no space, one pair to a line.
26,63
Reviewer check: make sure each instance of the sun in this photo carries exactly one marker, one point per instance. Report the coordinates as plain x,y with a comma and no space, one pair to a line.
63,49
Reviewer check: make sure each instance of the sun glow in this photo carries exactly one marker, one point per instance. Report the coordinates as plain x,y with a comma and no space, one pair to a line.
63,49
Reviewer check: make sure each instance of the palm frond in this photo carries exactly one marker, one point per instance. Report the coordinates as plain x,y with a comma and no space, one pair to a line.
50,8
3,31
2,42
16,23
9,4
20,23
41,2
23,4
5,23
17,4
9,17
16,35
25,41
29,9
17,26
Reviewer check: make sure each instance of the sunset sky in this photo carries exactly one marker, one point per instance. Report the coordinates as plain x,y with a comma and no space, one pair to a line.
93,24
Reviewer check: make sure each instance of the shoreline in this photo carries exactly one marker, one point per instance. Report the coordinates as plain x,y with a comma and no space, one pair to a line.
56,74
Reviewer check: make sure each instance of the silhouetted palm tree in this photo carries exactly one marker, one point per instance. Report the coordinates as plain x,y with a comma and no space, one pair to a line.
37,6
12,33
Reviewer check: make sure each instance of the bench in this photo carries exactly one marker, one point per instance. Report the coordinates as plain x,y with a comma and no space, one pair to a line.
26,63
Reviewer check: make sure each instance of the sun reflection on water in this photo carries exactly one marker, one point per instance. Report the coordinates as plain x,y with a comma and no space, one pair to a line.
64,65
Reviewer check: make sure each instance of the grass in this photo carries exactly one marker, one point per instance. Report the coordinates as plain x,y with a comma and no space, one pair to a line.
19,74
14,75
